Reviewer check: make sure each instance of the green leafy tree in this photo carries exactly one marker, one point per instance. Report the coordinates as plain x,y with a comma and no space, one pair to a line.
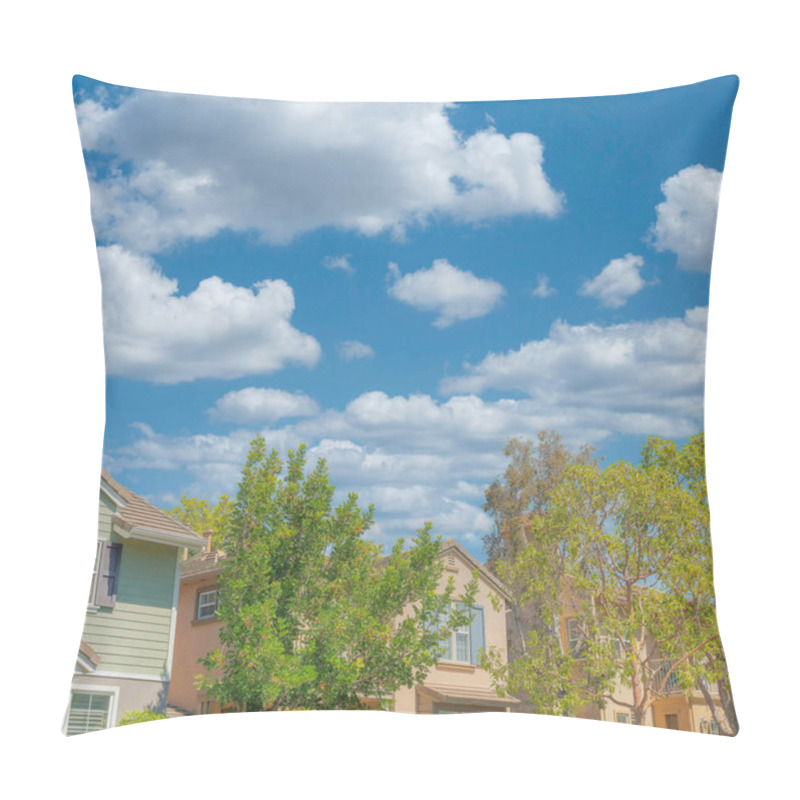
625,552
312,616
200,515
524,494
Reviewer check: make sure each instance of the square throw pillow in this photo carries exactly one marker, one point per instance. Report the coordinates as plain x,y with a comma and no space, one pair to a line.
404,407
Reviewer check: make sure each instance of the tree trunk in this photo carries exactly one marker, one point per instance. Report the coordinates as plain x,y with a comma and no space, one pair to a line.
726,701
723,727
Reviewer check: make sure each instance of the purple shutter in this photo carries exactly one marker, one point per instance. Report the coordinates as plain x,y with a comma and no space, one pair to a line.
108,574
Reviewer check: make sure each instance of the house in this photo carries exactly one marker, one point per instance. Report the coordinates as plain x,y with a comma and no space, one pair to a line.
126,651
672,708
456,684
197,631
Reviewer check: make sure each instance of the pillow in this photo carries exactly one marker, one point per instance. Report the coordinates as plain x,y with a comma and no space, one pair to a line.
404,407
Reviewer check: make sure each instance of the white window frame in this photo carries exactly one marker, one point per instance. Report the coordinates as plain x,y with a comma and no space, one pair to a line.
92,688
90,602
626,720
466,634
576,641
198,604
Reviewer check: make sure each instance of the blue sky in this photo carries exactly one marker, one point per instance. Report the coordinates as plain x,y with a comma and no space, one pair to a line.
400,286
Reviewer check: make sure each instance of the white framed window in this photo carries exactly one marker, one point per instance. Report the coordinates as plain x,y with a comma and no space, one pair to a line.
622,717
206,607
575,638
464,644
91,708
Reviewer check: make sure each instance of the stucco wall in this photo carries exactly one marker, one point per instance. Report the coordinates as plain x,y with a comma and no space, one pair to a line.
193,640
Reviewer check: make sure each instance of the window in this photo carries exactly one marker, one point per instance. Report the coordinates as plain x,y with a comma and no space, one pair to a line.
620,717
207,604
671,721
105,576
89,711
464,644
576,641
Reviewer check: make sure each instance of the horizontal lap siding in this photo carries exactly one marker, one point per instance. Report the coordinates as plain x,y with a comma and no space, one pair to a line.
104,520
133,637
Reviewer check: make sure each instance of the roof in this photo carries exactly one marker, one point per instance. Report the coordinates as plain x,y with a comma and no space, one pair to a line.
465,695
137,516
204,564
207,563
486,574
87,659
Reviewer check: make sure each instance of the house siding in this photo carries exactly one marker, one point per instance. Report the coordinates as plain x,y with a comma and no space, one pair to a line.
105,518
133,637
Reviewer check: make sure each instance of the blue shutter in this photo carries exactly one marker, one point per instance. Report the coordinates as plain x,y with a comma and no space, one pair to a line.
477,640
447,641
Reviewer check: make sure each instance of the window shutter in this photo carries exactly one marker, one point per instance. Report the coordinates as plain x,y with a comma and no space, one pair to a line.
108,575
476,634
447,641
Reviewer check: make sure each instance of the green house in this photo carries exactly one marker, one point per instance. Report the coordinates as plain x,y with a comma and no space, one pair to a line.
125,655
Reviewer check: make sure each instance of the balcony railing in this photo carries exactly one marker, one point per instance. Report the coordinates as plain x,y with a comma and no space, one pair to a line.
672,684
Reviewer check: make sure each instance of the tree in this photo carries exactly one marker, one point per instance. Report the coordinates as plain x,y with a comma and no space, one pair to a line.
312,616
202,516
534,472
625,553
707,665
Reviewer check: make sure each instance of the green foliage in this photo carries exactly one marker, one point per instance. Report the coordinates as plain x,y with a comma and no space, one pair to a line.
625,552
312,616
145,715
534,472
202,516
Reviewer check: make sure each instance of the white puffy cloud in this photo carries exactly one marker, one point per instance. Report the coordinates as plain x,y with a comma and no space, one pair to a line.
339,262
543,288
217,331
686,220
616,282
454,294
636,377
422,458
187,166
262,405
352,349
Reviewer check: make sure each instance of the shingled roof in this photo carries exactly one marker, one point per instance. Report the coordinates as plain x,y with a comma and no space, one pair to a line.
138,514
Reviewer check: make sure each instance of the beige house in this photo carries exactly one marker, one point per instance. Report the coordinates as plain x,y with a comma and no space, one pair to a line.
672,708
457,684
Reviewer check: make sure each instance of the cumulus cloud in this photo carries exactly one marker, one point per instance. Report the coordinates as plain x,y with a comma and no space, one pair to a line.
686,220
543,288
452,293
217,331
616,282
352,349
636,377
262,405
339,262
422,458
187,166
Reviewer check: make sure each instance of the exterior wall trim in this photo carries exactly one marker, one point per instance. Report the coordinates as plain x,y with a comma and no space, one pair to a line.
93,688
130,676
176,587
